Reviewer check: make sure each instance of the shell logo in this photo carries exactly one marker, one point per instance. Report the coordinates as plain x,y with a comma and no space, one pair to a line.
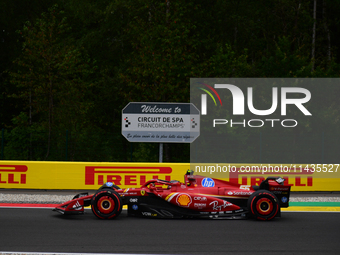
184,200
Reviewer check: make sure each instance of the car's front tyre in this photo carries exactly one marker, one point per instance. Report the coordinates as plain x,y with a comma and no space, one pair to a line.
106,204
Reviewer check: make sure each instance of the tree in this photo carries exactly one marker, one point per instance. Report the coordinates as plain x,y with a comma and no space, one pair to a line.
53,76
13,14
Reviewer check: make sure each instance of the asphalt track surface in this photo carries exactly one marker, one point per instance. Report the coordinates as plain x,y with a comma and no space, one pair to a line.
41,230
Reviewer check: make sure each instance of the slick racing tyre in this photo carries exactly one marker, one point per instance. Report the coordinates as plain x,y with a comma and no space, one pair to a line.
106,204
263,205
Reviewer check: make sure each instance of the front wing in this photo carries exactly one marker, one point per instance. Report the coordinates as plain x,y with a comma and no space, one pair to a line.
76,205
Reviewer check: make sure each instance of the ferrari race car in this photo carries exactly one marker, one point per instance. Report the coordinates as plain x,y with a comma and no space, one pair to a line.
197,197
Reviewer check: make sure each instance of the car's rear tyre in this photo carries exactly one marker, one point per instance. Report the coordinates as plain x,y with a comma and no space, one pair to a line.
106,204
263,205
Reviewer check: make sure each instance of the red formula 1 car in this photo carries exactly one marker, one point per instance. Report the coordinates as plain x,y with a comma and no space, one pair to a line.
197,197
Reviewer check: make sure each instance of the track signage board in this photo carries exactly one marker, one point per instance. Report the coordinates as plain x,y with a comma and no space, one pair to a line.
160,122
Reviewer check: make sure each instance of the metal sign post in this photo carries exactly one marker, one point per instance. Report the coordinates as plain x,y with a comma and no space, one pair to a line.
160,152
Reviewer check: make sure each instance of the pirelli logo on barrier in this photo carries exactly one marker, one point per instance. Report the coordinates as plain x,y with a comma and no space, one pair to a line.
13,174
303,178
129,175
